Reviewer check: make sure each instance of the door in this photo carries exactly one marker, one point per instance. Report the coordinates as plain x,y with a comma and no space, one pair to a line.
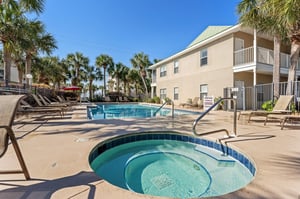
238,51
239,94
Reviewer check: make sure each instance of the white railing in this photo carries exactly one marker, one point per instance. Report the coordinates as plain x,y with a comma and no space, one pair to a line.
264,55
244,56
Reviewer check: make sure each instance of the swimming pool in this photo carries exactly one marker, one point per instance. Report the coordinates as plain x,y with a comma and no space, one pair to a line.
130,110
171,164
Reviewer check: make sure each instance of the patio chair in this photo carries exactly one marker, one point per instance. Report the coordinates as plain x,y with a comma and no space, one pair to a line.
194,103
63,100
290,119
107,99
26,109
8,107
63,107
123,99
279,108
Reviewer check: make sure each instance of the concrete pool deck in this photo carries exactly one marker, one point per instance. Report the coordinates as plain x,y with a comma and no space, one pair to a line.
56,154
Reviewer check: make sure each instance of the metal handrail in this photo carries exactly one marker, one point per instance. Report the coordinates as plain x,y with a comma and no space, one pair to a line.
215,131
172,103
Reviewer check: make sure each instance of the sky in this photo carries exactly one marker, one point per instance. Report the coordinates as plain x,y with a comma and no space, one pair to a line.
122,28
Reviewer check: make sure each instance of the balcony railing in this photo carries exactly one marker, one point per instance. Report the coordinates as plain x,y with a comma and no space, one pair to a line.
264,56
244,56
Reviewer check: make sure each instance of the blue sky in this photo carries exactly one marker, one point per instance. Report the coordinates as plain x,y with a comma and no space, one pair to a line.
121,28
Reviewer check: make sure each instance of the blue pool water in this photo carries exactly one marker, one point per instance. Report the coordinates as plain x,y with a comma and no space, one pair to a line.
112,111
171,164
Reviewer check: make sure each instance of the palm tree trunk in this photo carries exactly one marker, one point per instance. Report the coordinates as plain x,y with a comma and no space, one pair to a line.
104,79
118,85
7,64
143,75
90,90
28,67
295,48
276,67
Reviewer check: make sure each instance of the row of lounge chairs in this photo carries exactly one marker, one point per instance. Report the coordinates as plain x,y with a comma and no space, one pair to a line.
44,105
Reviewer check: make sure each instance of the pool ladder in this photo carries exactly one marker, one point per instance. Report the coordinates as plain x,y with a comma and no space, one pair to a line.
220,130
172,103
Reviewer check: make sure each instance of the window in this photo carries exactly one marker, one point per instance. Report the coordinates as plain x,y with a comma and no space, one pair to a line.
203,90
163,93
176,67
203,57
163,71
176,93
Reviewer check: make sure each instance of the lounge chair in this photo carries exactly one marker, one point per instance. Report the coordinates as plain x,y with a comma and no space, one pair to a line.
63,107
279,108
26,109
8,107
194,103
123,99
289,118
63,100
107,99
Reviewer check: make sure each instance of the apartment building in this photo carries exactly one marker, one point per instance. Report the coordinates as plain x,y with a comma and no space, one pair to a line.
220,57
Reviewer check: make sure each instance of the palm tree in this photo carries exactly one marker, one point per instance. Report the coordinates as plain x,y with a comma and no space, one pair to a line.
287,14
141,61
49,70
104,61
76,63
262,20
117,72
93,74
35,40
11,13
125,79
134,79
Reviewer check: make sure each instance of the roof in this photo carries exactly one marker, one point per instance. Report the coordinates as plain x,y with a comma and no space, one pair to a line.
207,33
211,33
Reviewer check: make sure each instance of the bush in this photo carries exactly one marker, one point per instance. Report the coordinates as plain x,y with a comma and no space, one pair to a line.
156,100
168,100
220,106
268,105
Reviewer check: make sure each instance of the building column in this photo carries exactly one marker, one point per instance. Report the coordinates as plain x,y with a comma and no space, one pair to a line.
254,47
152,91
254,76
254,55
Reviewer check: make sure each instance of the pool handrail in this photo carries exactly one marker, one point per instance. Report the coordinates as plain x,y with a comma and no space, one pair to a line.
172,103
215,131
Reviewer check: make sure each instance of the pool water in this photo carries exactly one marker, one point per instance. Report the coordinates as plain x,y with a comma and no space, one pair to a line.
171,168
151,174
118,111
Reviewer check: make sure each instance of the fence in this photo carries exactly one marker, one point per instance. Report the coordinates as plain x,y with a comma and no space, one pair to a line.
252,98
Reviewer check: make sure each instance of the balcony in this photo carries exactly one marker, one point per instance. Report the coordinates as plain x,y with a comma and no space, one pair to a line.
264,56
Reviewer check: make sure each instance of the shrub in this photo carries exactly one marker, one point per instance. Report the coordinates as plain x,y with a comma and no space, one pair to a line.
168,100
268,105
156,100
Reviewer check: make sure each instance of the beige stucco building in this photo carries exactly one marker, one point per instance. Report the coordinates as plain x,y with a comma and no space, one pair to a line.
220,57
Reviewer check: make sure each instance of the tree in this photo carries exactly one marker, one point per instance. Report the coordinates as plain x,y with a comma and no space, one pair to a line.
12,12
135,79
35,40
141,61
104,61
92,74
49,70
117,72
125,80
253,15
77,63
287,14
